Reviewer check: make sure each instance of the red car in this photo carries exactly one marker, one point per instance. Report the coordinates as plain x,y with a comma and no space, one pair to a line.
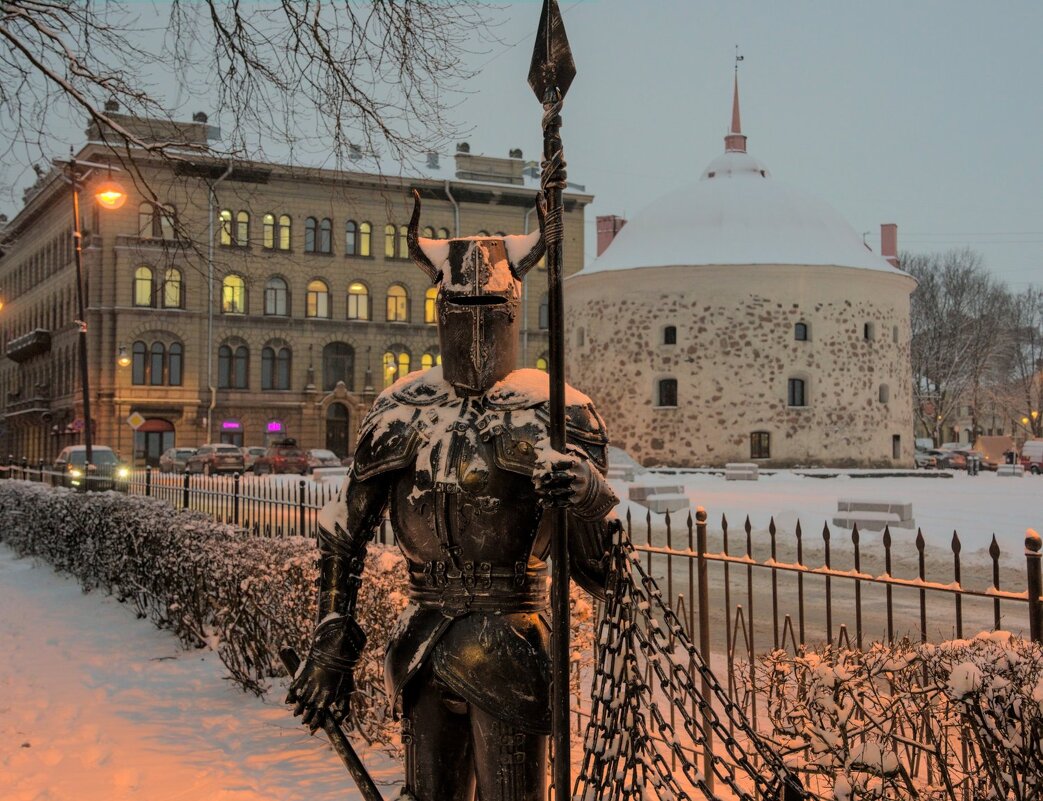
282,457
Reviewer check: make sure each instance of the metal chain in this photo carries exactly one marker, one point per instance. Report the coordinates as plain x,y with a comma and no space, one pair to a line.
636,676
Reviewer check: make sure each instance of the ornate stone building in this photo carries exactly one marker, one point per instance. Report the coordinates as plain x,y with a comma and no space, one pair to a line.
738,320
253,301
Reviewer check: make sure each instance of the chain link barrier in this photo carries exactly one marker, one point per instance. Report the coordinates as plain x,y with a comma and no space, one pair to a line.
640,679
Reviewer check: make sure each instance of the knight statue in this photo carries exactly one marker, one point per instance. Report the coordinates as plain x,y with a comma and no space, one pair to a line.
459,456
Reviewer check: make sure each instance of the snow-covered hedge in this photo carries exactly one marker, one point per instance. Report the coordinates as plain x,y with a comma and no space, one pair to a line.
214,585
963,719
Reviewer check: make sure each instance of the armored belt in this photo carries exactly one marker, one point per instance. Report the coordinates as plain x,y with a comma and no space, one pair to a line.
478,587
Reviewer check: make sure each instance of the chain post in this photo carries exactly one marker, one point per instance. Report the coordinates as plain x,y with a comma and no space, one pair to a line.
184,497
148,481
1033,557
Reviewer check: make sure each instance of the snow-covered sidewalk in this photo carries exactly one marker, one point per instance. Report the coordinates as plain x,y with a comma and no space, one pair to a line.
96,705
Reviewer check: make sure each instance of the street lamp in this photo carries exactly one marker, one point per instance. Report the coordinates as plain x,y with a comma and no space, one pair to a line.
111,196
123,359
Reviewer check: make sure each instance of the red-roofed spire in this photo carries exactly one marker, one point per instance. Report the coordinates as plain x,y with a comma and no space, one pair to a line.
735,141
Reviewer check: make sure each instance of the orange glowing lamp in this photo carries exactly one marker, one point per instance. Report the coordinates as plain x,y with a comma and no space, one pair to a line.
110,195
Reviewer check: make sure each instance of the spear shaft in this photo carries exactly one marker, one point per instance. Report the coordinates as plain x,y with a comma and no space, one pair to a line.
550,75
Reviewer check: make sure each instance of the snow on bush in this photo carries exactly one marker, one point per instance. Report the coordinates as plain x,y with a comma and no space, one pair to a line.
963,719
216,586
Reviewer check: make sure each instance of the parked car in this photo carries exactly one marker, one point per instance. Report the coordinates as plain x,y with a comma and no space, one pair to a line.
944,460
282,457
924,460
215,458
250,454
1032,456
320,457
106,472
174,460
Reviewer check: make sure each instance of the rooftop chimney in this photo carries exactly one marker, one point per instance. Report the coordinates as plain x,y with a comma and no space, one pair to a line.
199,116
514,153
432,160
889,243
608,226
112,105
354,152
463,147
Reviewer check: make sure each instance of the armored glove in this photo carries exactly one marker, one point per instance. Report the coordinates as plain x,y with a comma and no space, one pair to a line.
564,480
324,683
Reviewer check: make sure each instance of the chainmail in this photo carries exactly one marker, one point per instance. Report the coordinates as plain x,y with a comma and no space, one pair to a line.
629,741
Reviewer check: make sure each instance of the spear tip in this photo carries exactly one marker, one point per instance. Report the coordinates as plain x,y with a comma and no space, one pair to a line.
552,64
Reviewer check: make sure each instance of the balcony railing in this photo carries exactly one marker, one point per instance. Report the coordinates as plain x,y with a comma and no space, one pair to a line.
28,345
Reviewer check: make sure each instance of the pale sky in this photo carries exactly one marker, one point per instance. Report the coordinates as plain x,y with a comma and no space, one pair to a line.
925,114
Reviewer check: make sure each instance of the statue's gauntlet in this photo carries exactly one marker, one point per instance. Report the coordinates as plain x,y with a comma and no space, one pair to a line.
598,500
337,644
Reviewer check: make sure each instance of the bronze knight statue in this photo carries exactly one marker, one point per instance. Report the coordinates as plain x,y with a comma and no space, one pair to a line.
460,456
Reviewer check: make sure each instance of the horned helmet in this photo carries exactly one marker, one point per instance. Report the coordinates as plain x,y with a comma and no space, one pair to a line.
479,299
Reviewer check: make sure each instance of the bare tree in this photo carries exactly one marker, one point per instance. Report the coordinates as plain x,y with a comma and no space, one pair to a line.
958,330
325,77
1020,395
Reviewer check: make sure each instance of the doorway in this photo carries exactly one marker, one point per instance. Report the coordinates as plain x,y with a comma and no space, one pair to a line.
152,438
337,438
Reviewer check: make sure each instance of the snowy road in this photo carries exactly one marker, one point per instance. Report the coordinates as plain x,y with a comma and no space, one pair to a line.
96,705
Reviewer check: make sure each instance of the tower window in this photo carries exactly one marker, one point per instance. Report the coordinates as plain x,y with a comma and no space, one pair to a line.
800,332
670,335
795,394
667,392
760,445
869,332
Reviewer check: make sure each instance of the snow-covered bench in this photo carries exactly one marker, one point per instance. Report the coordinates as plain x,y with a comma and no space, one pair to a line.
659,498
873,515
740,471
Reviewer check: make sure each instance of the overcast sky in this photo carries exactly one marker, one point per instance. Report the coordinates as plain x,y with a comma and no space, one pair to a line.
925,114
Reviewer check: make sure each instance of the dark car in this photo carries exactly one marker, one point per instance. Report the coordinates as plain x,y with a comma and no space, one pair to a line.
174,460
282,457
106,472
320,457
215,458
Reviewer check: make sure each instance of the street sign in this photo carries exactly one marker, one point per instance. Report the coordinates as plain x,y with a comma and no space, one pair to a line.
135,420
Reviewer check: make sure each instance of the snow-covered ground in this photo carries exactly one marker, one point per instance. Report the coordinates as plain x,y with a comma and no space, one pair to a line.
96,705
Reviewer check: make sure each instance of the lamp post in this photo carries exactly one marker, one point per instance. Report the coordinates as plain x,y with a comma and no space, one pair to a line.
109,196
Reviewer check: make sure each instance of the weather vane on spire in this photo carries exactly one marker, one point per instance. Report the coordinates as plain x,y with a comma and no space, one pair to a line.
738,58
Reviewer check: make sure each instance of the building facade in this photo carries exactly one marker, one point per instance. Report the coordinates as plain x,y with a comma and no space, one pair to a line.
239,302
739,320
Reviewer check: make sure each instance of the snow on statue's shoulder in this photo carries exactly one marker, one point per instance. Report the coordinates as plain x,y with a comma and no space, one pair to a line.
529,387
418,388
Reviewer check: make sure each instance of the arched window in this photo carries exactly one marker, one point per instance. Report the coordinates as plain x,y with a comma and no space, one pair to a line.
443,233
310,226
233,295
430,359
869,332
268,231
175,365
275,368
670,335
226,227
884,393
326,236
240,363
431,305
395,365
242,229
800,332
666,392
482,233
429,232
338,364
275,296
157,355
224,367
139,363
397,304
285,231
143,295
796,392
760,445
365,239
351,235
318,300
389,241
358,301
542,363
544,316
167,219
403,242
172,298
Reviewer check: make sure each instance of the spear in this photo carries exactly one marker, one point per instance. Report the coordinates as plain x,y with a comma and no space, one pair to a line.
550,76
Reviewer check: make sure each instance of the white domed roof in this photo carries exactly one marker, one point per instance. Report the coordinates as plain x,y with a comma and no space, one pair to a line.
737,214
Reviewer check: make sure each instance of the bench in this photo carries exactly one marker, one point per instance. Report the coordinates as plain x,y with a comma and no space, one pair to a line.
873,515
1011,470
659,499
740,471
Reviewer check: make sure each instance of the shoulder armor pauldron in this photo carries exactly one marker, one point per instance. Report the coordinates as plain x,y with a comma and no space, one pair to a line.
423,390
388,441
584,429
516,437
